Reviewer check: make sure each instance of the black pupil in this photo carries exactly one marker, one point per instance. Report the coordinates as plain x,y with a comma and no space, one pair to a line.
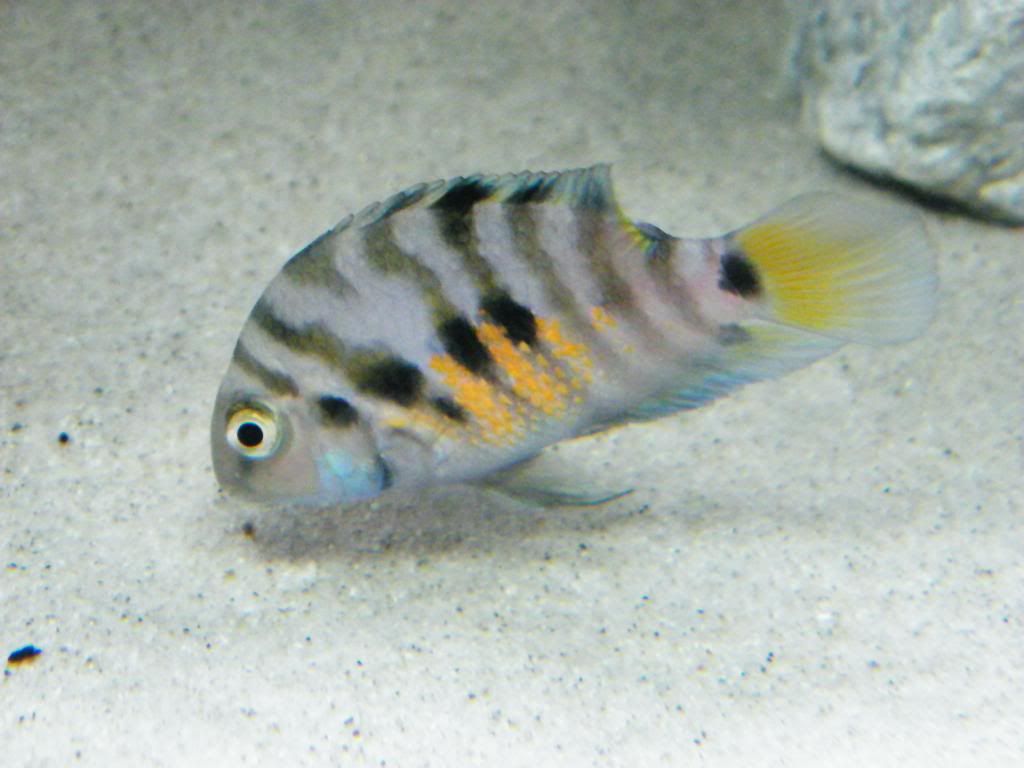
250,435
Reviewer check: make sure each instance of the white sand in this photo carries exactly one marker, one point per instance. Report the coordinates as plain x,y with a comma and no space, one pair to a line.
823,570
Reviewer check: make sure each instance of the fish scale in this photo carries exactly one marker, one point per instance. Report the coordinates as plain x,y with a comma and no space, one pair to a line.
458,328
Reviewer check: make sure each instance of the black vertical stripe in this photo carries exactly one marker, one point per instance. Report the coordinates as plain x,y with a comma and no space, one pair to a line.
454,213
518,321
461,342
463,193
384,254
311,339
658,258
314,265
592,242
275,382
449,408
390,378
522,224
337,411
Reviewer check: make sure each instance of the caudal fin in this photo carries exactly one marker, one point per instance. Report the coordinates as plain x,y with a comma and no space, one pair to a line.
819,271
850,270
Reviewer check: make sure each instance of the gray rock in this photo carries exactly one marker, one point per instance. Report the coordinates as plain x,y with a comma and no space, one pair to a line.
926,92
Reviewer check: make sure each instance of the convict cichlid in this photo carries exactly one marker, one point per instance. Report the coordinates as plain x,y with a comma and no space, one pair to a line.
458,328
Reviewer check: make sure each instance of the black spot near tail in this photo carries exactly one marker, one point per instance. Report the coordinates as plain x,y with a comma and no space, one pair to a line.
739,276
461,342
519,322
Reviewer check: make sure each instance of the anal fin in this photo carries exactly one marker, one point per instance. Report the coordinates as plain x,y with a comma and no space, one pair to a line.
767,351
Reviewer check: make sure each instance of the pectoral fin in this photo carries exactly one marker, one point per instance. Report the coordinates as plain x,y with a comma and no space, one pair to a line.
545,480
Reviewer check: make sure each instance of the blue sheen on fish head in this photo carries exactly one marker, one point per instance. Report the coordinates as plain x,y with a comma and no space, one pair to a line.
290,448
345,478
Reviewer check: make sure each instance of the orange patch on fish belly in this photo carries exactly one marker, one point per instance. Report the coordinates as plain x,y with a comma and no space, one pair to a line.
543,383
526,371
492,410
574,354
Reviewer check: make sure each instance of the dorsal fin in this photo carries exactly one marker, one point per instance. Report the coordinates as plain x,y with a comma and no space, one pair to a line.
581,187
411,197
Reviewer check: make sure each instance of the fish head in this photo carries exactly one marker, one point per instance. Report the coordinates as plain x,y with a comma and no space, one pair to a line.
291,448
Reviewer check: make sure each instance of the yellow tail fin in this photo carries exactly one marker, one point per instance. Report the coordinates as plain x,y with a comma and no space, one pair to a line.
851,270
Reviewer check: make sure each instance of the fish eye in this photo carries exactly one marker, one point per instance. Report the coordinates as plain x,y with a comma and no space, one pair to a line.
253,432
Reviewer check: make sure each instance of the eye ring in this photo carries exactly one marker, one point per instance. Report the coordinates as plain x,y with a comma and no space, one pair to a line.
253,432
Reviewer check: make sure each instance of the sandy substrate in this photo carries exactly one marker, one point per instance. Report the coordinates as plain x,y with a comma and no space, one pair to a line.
823,570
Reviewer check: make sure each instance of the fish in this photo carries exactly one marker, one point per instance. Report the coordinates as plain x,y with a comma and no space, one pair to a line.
454,331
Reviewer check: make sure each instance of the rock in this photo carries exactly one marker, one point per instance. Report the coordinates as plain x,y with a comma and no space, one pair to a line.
926,92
